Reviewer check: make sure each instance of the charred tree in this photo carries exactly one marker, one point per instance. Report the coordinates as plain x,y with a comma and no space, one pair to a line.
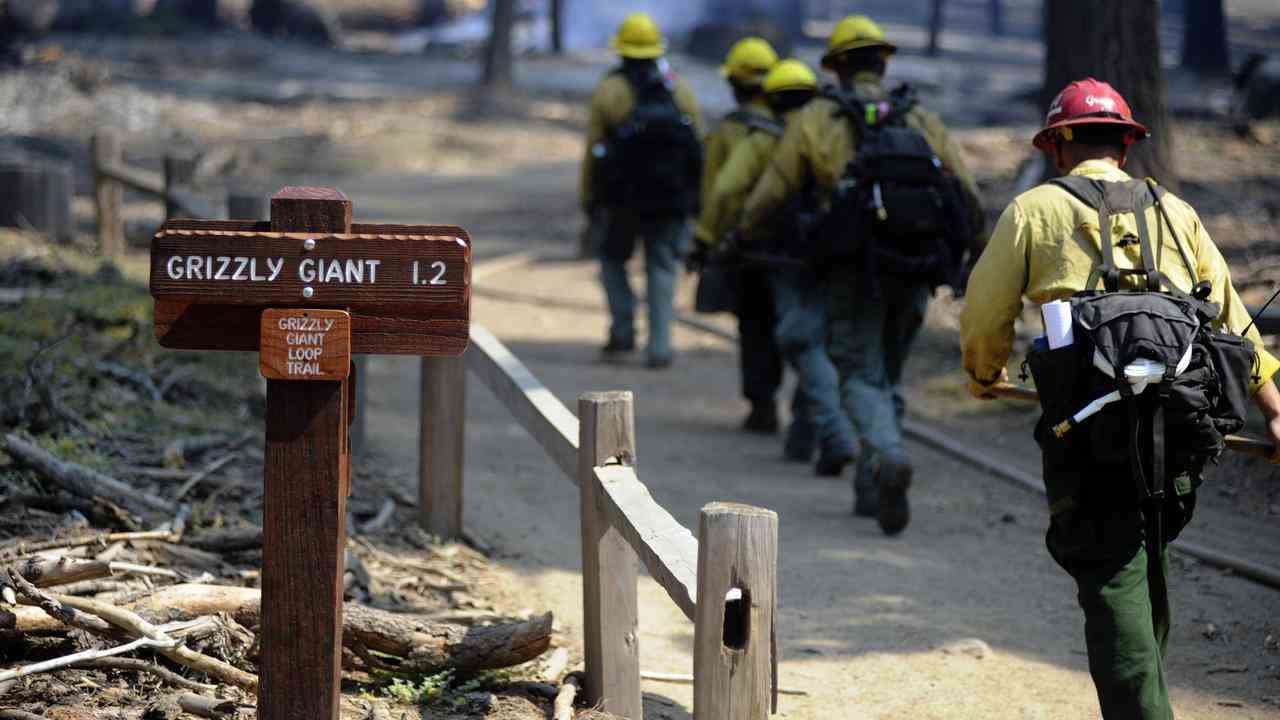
1204,37
935,27
557,26
1118,42
498,59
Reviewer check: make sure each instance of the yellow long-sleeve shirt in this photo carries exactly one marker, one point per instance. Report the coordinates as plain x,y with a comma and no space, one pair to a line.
819,144
723,201
611,105
1045,247
722,139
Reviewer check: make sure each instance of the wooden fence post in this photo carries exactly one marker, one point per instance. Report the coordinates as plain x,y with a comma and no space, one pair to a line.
734,661
108,194
609,565
179,174
443,418
306,480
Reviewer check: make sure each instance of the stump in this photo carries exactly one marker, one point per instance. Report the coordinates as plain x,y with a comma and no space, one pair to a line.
37,197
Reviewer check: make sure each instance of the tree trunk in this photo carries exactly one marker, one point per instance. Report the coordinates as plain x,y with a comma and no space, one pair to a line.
497,53
997,18
1118,42
1204,38
935,28
557,26
37,197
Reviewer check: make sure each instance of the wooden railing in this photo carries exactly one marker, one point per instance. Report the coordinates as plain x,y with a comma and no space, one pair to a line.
725,581
112,176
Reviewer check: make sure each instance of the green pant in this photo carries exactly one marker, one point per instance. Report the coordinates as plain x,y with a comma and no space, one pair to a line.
1123,594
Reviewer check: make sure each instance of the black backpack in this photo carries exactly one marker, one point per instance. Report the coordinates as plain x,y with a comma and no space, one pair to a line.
896,210
1174,426
652,163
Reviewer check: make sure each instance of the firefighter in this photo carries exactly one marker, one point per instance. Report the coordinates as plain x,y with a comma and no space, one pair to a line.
1046,247
799,318
641,175
872,317
760,363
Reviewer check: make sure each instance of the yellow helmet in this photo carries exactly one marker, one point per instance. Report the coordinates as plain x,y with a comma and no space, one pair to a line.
749,60
638,38
853,33
790,74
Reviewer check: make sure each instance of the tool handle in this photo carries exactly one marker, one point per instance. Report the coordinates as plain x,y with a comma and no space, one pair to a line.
1014,392
1250,446
1235,443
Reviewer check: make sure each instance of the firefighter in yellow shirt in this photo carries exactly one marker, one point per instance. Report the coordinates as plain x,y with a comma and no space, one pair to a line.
641,176
873,313
1045,247
759,361
817,420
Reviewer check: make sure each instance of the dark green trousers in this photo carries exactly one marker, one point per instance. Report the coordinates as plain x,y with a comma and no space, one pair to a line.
1101,542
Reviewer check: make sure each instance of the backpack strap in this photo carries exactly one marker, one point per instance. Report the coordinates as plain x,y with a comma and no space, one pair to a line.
1117,197
1158,192
755,121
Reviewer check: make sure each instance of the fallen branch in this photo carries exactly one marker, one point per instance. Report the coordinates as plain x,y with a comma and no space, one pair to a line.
103,539
47,572
136,665
84,655
78,611
133,623
208,470
384,515
80,480
413,643
564,698
228,540
19,715
208,707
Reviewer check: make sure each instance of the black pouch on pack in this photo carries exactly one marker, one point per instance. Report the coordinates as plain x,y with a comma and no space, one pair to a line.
1055,372
1236,362
717,289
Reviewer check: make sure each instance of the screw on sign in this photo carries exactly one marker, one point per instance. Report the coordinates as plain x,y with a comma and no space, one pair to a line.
307,290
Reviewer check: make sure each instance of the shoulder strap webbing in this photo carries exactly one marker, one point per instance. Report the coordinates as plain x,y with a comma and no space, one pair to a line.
1133,196
755,121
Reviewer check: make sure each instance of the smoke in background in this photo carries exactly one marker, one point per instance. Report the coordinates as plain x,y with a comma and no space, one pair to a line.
590,23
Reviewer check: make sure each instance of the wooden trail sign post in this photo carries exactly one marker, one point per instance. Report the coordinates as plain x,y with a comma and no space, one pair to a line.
308,289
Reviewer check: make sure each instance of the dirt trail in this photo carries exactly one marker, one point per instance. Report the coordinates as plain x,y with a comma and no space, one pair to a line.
870,627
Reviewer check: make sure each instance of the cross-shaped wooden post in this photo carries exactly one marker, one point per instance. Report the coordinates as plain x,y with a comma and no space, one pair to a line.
307,290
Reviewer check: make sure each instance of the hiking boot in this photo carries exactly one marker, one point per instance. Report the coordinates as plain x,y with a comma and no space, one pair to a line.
894,480
763,419
659,362
799,445
866,486
832,461
616,348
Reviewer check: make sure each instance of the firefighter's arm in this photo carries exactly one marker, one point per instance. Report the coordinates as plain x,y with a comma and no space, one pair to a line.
784,174
597,130
994,301
688,103
1234,318
952,158
715,152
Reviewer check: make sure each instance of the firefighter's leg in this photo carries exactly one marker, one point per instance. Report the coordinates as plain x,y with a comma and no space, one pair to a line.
662,248
1103,550
615,238
758,355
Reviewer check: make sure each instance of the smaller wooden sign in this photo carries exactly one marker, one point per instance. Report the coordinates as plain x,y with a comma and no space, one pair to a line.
303,344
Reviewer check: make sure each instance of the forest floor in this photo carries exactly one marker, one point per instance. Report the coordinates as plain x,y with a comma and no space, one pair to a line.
964,616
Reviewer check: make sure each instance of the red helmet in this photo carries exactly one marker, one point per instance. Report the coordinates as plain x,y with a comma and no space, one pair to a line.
1088,102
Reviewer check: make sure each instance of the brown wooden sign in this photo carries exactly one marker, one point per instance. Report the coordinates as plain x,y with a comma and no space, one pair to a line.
305,344
408,288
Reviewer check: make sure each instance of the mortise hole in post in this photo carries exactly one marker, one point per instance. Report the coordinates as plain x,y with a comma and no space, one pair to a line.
737,619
